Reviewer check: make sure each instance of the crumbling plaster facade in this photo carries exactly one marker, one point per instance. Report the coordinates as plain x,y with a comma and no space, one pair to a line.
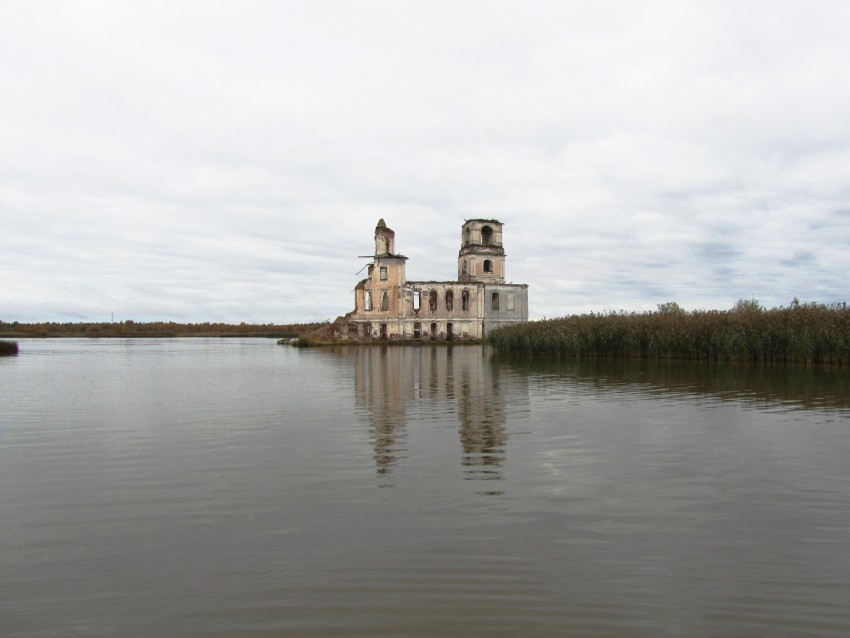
388,307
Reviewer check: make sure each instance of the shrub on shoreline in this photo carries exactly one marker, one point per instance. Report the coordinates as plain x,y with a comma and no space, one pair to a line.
8,347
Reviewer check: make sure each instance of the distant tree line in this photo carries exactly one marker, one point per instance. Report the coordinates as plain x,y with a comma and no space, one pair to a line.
800,333
132,328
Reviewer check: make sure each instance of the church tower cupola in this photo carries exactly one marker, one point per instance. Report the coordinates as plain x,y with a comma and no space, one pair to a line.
481,256
384,239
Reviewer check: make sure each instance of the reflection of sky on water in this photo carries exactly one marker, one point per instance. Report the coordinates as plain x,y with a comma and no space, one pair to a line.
657,433
775,387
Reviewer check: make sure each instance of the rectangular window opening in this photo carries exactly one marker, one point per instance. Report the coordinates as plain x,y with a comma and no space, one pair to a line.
495,301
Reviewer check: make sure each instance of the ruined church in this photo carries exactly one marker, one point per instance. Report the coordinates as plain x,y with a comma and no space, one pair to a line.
388,307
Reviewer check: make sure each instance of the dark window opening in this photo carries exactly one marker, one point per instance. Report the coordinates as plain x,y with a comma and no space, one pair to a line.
486,235
383,331
433,330
495,301
450,300
432,301
449,331
488,265
383,273
417,330
464,300
385,300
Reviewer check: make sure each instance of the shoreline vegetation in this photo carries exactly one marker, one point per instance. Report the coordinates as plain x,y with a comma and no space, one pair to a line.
8,348
801,333
153,329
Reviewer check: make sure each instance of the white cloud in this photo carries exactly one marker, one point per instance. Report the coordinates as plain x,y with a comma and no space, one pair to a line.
224,161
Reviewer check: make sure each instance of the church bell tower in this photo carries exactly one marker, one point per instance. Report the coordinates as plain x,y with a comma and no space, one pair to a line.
482,256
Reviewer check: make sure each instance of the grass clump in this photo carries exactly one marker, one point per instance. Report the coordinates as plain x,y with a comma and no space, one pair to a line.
304,341
801,333
8,347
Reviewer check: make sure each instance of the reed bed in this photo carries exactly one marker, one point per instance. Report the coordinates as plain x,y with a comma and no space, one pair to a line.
8,347
811,333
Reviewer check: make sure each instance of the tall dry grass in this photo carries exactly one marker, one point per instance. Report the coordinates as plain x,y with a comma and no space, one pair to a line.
810,333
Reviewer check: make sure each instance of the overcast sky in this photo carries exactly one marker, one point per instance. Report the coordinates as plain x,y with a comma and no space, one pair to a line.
228,161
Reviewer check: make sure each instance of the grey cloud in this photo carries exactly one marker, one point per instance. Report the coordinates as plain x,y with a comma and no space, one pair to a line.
209,162
798,260
716,251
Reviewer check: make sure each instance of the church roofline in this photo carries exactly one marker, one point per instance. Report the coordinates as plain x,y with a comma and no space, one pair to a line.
382,256
471,282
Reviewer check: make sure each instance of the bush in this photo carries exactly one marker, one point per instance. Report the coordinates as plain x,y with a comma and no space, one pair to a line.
8,347
304,341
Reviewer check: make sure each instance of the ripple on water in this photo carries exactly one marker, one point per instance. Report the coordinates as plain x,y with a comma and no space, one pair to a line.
234,487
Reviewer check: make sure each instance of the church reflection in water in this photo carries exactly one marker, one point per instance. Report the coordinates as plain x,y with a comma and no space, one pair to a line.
384,384
397,386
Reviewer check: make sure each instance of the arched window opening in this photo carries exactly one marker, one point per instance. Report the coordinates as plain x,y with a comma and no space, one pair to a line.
464,300
486,235
450,300
488,265
368,300
385,300
432,301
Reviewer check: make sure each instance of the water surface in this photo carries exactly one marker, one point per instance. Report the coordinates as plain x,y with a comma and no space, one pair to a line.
224,487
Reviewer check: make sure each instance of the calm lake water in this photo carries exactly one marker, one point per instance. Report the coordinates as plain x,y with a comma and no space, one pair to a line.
233,487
